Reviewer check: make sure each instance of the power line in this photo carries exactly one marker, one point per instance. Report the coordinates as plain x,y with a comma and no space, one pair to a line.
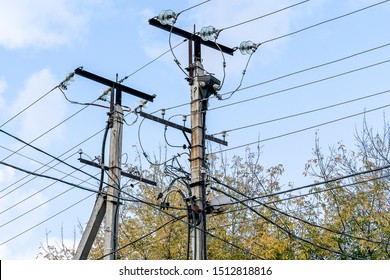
194,6
49,177
152,61
62,84
298,86
40,205
293,73
286,231
42,222
29,106
46,153
143,237
300,130
300,219
32,195
64,153
323,22
303,113
262,16
325,183
158,208
42,164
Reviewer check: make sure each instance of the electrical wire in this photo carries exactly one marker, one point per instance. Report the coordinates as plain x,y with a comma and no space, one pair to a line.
158,208
266,205
285,231
35,193
146,155
301,130
262,16
152,61
45,153
299,86
29,106
42,204
44,221
323,22
194,6
64,153
302,113
242,78
326,182
142,237
293,73
49,177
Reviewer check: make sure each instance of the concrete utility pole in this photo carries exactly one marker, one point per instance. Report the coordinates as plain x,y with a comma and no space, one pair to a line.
202,87
198,114
114,179
107,202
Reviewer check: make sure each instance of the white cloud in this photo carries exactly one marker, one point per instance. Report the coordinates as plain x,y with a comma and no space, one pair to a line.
40,23
44,114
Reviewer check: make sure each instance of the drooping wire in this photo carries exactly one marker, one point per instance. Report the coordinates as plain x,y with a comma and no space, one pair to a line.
294,73
285,231
262,16
302,113
302,130
266,205
44,221
152,61
45,153
43,203
299,86
49,177
142,237
242,78
30,105
325,183
324,22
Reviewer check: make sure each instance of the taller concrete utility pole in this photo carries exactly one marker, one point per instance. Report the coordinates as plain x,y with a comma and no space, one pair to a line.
202,87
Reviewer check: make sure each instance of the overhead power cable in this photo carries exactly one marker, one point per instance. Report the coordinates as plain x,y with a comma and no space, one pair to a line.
150,62
44,221
49,177
39,205
300,130
158,208
325,21
327,182
302,113
64,153
143,237
298,86
285,231
291,74
266,205
46,153
37,192
29,106
262,16
62,84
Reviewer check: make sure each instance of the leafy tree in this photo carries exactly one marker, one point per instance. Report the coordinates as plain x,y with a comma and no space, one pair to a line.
347,217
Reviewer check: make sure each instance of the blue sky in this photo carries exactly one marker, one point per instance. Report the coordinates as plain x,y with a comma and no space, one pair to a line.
43,40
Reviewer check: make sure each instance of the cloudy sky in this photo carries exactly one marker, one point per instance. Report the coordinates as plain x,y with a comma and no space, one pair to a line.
41,41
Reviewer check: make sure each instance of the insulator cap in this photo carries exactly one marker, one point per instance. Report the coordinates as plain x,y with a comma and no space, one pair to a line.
167,17
247,47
